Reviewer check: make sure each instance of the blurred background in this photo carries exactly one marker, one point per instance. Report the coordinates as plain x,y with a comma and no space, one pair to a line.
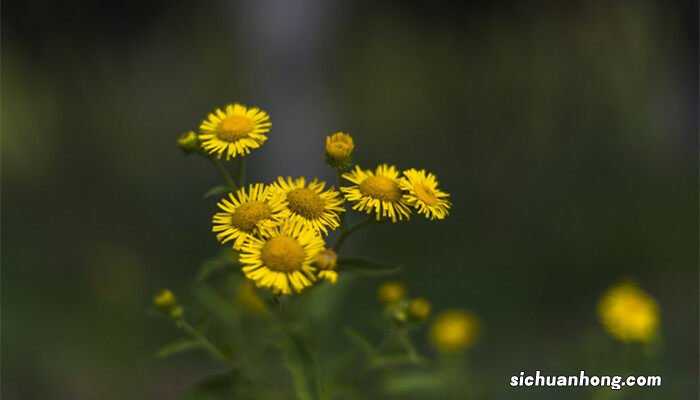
566,133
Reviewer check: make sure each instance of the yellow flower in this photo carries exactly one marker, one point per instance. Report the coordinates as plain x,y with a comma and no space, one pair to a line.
418,309
314,207
249,212
234,131
628,313
454,331
391,292
378,191
326,261
248,298
339,147
422,193
282,260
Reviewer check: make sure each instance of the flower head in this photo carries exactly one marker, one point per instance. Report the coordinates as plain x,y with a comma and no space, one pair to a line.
628,313
422,193
391,292
311,204
377,191
339,147
454,331
326,261
251,211
188,142
234,131
418,309
282,260
166,302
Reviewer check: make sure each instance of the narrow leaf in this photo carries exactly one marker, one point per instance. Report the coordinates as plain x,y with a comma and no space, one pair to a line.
178,346
217,191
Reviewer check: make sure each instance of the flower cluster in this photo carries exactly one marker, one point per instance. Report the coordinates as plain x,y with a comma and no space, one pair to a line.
280,229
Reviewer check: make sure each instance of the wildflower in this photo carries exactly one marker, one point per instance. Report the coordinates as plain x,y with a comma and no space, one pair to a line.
312,205
250,211
166,303
391,292
248,298
188,142
377,191
339,147
282,261
422,193
326,261
234,131
418,309
628,313
454,331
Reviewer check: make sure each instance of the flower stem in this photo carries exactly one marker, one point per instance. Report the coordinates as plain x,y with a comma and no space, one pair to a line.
224,173
241,171
204,341
347,232
338,176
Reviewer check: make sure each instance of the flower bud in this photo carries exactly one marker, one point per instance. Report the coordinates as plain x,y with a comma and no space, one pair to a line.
166,303
188,142
326,261
391,292
339,147
418,309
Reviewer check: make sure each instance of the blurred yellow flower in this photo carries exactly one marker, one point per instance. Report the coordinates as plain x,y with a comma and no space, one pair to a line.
418,309
282,261
422,193
391,292
250,211
326,261
454,331
248,299
339,147
311,205
234,131
377,191
628,313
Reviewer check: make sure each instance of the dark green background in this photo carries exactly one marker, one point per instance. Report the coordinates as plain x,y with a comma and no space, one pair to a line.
565,132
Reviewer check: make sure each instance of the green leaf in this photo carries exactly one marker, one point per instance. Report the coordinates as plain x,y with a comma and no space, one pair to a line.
217,191
178,346
217,387
366,267
412,382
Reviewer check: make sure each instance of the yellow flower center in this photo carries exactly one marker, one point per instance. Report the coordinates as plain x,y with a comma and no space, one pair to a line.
283,254
247,215
382,188
234,127
425,194
305,202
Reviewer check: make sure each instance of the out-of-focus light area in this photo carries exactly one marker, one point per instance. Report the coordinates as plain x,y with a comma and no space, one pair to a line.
566,133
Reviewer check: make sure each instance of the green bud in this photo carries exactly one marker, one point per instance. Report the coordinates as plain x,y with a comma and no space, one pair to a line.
188,142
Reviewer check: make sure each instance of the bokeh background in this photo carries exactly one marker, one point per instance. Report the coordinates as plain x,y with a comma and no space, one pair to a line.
565,131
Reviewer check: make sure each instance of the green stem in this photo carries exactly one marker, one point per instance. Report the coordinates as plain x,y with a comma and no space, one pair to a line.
338,177
224,173
241,171
347,232
204,341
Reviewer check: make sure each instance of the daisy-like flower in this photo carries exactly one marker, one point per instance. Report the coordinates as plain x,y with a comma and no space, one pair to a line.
378,191
234,131
312,205
282,261
250,211
422,193
339,147
326,261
